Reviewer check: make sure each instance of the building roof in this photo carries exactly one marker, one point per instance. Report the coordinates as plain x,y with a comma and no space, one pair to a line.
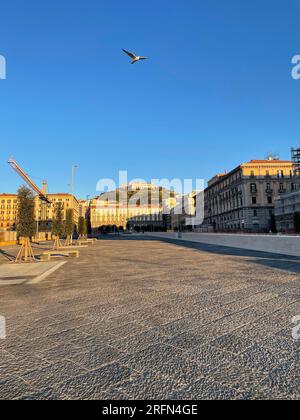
275,161
61,194
214,180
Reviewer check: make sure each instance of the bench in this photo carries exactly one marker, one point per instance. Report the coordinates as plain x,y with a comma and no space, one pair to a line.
84,242
47,255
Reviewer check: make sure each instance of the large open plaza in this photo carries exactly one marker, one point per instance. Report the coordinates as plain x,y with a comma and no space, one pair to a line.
139,318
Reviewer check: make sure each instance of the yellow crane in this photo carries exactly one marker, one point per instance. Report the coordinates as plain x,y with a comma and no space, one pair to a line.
28,180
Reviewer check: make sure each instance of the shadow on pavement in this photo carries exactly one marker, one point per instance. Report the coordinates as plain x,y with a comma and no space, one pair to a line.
279,261
7,256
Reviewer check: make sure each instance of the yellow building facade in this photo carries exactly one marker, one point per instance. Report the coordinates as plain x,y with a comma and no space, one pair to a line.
43,212
112,213
133,205
8,211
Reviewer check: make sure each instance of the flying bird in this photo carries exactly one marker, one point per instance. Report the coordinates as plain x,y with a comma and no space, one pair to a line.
134,57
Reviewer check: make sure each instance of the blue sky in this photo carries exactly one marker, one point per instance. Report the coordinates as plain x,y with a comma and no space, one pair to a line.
217,91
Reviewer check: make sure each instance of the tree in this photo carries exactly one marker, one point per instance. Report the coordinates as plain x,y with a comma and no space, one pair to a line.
82,227
69,226
88,221
88,226
57,228
25,223
273,224
297,222
43,226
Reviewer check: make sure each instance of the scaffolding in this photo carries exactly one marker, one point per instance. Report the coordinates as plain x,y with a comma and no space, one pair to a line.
296,160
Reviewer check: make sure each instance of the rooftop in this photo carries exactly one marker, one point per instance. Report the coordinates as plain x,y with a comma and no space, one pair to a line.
276,161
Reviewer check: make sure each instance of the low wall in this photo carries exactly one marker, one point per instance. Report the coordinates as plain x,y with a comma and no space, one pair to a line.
277,244
8,243
8,236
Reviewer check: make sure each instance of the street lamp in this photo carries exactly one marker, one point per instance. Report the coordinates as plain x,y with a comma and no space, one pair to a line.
74,167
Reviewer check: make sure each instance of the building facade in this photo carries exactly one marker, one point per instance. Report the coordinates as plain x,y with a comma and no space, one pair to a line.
147,218
243,199
83,207
183,213
8,211
43,213
286,206
135,206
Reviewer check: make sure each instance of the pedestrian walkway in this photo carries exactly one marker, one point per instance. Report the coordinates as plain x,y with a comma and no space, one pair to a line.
137,318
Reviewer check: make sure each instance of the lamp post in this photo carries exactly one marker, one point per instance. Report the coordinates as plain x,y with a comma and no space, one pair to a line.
74,167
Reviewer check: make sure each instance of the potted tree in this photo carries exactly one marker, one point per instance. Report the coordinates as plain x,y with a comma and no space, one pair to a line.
82,228
57,226
69,226
25,224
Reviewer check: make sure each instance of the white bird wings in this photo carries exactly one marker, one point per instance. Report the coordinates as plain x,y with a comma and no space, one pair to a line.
130,54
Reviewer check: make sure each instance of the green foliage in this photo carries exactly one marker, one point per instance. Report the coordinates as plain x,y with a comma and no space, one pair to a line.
88,221
82,226
58,222
69,224
88,226
43,226
273,224
25,219
297,222
85,228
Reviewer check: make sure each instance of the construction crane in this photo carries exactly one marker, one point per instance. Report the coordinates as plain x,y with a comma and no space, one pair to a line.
29,182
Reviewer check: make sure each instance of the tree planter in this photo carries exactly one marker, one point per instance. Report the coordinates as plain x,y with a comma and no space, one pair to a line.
57,243
26,253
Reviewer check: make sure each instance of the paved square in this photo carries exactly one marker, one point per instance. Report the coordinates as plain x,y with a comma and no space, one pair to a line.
135,318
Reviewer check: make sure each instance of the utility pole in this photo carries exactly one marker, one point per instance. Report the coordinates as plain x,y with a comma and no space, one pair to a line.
74,167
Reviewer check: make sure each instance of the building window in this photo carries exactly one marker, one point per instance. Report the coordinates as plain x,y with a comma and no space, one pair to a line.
253,188
270,200
255,213
254,200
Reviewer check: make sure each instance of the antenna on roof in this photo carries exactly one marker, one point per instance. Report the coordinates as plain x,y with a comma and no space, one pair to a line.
272,156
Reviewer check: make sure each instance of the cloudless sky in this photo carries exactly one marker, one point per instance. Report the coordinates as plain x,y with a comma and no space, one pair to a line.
217,91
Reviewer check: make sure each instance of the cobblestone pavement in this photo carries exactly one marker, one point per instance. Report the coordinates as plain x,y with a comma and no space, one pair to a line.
143,319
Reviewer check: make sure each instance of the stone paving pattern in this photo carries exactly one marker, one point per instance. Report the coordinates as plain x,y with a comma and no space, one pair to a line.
137,318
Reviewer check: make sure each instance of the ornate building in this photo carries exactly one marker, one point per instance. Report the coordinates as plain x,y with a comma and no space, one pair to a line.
243,199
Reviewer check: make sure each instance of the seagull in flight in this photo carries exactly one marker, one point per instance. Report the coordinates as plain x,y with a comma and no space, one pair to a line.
134,57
